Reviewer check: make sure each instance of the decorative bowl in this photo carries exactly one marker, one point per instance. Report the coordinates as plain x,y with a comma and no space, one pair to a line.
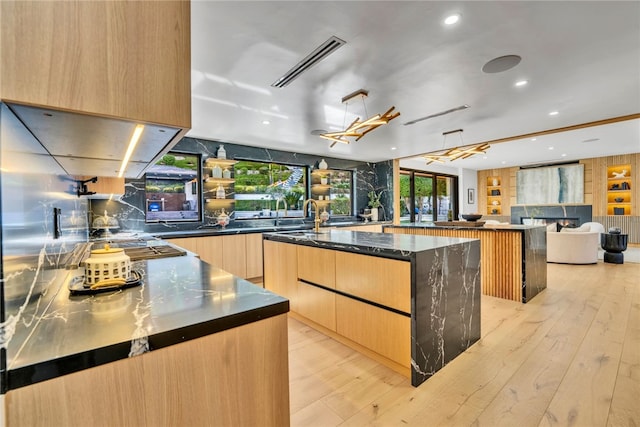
618,199
471,217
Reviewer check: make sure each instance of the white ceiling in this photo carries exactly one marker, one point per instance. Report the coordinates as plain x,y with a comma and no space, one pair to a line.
582,59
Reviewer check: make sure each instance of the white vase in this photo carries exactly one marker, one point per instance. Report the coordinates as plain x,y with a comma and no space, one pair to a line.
374,214
322,164
220,193
226,173
222,153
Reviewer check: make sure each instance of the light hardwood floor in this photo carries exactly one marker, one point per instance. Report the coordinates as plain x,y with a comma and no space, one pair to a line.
569,357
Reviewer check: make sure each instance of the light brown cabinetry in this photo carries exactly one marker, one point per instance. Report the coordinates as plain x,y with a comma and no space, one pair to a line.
362,311
317,266
249,360
229,253
281,270
381,280
128,60
254,254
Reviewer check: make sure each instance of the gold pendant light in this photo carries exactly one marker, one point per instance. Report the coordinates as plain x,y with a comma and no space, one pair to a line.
357,129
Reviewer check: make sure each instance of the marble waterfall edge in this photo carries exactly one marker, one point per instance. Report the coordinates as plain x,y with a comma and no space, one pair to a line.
446,318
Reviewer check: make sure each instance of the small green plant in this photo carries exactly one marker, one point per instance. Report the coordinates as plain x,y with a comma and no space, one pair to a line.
374,199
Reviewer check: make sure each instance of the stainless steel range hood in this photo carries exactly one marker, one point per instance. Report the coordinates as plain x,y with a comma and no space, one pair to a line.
92,145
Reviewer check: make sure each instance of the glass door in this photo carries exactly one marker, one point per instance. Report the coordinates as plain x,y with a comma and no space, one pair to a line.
427,197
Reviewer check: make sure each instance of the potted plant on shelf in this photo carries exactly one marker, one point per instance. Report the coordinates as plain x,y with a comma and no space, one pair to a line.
374,204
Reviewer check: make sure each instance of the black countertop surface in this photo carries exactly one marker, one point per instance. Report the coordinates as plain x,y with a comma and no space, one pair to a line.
292,226
181,298
485,227
399,246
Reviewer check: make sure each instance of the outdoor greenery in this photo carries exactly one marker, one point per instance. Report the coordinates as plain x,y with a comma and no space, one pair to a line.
180,161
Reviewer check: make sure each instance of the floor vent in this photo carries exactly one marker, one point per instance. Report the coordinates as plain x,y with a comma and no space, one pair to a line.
442,113
321,52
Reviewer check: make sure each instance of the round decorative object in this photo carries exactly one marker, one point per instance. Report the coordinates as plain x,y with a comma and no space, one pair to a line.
322,164
615,230
618,199
471,217
107,263
324,216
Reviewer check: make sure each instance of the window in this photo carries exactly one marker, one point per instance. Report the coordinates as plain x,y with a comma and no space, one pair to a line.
172,189
264,190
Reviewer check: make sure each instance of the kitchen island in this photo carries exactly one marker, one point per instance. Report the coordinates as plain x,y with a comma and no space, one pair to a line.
410,302
186,347
514,257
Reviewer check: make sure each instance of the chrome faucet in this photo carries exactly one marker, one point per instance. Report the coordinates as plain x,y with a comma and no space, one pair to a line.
316,221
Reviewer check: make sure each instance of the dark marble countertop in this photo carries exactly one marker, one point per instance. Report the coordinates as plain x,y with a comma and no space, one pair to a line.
485,227
399,246
294,226
181,298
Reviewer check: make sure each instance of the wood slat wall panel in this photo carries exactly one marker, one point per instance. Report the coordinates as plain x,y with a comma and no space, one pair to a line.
500,258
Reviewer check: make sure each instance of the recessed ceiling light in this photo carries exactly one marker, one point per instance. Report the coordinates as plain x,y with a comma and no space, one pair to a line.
551,148
563,155
393,148
553,113
484,157
504,162
452,19
533,139
522,82
266,122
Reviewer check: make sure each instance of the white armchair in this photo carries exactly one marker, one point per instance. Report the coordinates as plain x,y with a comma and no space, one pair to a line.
575,246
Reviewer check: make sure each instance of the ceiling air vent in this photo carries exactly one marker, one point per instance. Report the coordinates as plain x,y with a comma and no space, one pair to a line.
442,113
321,52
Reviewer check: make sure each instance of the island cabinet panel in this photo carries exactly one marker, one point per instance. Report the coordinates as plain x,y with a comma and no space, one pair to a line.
513,258
382,331
231,253
317,304
234,254
254,255
129,59
205,381
412,304
381,280
210,250
317,266
281,271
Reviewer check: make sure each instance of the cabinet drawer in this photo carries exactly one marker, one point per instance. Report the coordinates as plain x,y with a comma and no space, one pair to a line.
317,266
317,304
385,332
381,280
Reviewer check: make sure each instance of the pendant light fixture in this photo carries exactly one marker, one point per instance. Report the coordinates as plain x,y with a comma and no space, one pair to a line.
460,152
357,129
